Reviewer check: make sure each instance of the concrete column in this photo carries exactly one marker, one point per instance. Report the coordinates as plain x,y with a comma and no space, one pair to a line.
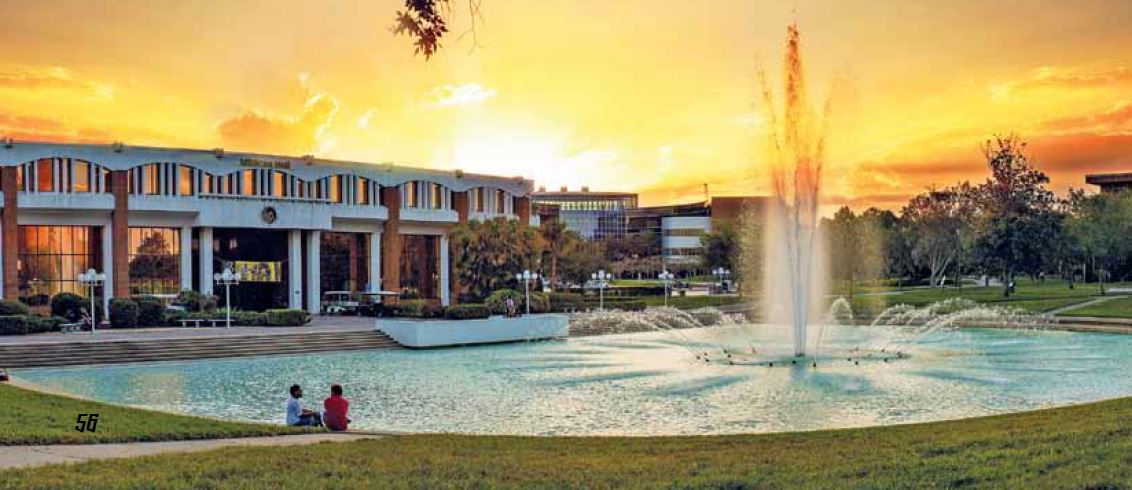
391,240
354,286
186,257
445,286
295,269
314,276
10,226
206,285
107,259
375,261
523,209
120,233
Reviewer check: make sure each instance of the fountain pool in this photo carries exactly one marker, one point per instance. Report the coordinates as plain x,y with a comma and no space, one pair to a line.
637,384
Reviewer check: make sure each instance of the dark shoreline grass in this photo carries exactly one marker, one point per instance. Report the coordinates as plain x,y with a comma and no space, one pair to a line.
1083,446
31,417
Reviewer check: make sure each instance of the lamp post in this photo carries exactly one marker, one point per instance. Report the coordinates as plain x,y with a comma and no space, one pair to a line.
601,277
721,273
526,277
227,279
92,279
666,277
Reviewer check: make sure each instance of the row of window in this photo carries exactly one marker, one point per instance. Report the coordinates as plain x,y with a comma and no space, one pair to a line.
171,179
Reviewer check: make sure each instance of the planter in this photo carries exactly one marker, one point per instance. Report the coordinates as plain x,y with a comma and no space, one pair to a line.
497,329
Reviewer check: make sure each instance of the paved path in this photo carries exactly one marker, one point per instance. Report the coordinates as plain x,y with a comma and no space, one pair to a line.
28,456
1075,306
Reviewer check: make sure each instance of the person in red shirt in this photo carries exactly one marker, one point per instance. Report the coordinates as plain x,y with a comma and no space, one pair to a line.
336,410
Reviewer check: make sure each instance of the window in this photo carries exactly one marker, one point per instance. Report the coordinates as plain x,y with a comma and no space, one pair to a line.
185,180
45,175
301,187
51,258
155,260
344,261
411,200
478,202
420,264
150,186
363,190
335,188
20,179
247,184
500,201
278,184
435,196
81,181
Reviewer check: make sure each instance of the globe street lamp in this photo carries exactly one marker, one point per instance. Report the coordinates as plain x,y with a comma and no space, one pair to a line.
666,277
227,279
722,274
92,279
601,277
526,277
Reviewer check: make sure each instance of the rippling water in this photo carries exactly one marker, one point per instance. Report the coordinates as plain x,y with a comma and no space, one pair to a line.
634,384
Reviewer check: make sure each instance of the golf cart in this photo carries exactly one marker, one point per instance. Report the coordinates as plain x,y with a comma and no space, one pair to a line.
373,303
339,303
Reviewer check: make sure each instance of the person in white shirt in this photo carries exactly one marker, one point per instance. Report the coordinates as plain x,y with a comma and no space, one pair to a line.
296,414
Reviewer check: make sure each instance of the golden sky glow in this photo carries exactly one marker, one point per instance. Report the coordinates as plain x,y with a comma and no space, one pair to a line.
656,97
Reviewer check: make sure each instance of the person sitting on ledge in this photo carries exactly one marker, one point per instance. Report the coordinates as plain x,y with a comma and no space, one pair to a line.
296,414
336,409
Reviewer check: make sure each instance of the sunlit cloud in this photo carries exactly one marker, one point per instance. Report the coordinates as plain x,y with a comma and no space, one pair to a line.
257,131
53,79
364,120
458,95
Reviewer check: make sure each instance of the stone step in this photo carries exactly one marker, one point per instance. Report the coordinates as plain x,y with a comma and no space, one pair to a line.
85,345
110,352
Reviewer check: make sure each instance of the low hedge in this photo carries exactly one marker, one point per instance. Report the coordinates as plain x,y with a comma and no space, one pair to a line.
29,324
123,313
13,325
151,311
419,308
468,311
570,302
497,301
287,318
10,307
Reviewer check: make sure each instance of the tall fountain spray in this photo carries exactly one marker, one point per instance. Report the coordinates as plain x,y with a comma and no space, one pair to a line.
793,276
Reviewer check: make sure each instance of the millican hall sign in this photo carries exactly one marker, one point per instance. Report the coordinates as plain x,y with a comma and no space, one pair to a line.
255,162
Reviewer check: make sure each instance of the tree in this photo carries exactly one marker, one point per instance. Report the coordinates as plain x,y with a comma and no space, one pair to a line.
1100,226
936,222
556,240
1016,214
845,246
721,248
426,21
153,259
581,259
489,253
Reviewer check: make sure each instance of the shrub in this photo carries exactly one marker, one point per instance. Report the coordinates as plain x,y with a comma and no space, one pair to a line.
123,313
151,311
497,301
40,324
9,307
419,308
410,293
13,325
562,302
468,311
194,301
540,302
69,306
246,318
288,318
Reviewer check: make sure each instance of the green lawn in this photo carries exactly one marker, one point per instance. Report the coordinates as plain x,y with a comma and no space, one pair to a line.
1029,295
1086,446
1118,308
30,417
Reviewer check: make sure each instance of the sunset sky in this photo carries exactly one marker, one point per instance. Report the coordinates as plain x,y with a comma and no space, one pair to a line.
635,95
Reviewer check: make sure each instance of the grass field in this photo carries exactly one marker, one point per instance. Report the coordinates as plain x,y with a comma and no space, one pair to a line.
1113,308
30,417
1029,295
1086,446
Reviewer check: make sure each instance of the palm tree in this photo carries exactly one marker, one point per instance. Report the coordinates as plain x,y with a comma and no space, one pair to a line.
556,239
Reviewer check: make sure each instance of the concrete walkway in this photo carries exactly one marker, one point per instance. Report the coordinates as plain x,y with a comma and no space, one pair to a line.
29,456
1075,306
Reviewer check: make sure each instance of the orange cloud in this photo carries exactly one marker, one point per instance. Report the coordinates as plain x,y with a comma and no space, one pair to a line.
54,78
257,132
26,128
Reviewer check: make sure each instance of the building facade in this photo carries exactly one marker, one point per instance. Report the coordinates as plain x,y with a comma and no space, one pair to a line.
158,221
593,215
